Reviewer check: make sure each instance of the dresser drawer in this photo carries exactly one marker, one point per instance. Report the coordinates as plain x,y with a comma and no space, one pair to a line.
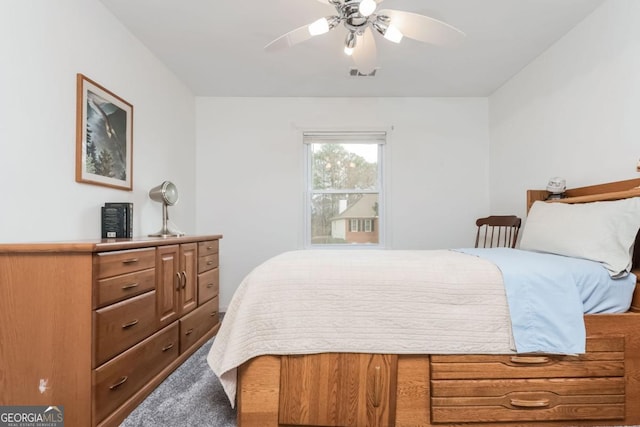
195,324
604,358
107,264
208,285
124,286
117,380
121,325
528,400
207,262
207,248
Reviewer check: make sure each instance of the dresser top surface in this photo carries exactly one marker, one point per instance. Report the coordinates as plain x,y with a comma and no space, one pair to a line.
102,245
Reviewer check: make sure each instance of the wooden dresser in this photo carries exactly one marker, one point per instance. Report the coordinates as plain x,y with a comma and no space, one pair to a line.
95,326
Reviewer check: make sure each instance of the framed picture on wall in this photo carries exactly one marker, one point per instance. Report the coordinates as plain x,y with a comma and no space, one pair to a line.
104,136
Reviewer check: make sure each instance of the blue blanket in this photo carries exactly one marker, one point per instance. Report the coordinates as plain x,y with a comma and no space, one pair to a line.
548,296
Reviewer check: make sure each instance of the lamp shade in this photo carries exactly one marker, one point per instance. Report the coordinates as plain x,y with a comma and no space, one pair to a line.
167,193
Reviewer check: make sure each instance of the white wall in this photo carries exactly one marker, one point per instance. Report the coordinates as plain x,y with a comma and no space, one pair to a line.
249,162
43,44
573,112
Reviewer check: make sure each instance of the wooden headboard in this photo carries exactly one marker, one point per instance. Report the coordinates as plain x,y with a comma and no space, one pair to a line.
596,193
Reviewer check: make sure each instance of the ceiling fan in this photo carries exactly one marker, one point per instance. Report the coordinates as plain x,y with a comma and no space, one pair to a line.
361,18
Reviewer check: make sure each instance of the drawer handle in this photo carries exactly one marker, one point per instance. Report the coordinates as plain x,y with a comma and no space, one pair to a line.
522,403
129,286
209,285
530,360
130,324
189,331
119,383
167,347
209,262
213,313
130,261
209,248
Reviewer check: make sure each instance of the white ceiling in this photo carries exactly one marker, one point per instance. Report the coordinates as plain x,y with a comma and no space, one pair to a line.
216,47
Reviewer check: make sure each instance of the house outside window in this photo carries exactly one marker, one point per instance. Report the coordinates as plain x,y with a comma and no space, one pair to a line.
344,198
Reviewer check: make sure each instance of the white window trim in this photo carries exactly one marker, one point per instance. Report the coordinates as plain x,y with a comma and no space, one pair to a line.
309,137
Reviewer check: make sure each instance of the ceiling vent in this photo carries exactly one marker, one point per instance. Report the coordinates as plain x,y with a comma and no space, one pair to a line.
354,72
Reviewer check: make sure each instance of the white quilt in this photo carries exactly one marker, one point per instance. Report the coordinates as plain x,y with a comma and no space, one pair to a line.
363,301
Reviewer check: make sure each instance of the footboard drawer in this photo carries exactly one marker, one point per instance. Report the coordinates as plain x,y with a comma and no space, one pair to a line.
528,400
521,388
604,358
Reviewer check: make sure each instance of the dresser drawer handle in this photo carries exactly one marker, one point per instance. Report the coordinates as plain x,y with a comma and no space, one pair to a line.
167,347
184,279
189,331
522,403
130,261
130,324
209,285
119,383
530,360
129,286
209,248
209,262
213,313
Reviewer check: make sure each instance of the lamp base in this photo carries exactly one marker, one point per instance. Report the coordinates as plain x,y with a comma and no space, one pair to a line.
167,232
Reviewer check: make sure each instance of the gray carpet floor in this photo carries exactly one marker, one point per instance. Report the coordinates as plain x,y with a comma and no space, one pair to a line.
191,396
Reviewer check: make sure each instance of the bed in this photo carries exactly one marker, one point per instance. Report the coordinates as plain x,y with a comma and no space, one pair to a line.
390,351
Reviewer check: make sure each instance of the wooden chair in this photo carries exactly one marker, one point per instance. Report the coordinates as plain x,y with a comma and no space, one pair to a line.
498,231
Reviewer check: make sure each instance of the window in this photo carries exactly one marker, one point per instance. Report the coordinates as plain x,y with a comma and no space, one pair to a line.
368,225
344,188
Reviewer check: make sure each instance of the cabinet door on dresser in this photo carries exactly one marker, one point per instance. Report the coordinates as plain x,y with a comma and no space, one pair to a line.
188,295
169,282
177,281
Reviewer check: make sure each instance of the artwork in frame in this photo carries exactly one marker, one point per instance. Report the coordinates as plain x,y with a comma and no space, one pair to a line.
104,136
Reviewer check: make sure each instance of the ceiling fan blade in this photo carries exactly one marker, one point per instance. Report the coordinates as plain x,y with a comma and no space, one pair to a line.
423,28
289,39
365,54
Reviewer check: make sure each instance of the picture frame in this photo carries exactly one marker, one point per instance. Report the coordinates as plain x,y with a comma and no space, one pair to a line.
104,136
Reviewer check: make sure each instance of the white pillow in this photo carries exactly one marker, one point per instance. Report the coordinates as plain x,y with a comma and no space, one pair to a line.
599,231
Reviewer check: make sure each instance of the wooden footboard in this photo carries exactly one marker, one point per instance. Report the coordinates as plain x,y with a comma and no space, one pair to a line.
601,387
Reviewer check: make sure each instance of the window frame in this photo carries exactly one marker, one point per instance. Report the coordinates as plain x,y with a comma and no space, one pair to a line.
344,137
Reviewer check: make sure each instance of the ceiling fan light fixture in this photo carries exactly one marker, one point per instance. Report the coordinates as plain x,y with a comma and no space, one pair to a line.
393,34
350,43
367,7
323,25
388,31
318,27
361,17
